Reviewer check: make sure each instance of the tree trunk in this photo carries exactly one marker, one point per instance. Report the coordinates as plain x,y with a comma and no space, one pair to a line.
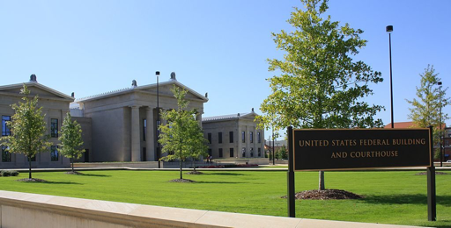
194,165
29,167
181,164
181,177
321,181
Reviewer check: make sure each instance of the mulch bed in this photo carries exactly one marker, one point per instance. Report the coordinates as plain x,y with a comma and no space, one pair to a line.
32,180
182,180
194,173
328,194
436,173
74,173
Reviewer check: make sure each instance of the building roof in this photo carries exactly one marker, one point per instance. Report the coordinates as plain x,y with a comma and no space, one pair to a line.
400,125
406,125
228,117
40,86
137,88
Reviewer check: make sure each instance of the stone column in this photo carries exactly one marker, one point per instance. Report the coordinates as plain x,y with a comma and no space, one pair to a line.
150,135
239,143
254,136
199,119
248,140
135,142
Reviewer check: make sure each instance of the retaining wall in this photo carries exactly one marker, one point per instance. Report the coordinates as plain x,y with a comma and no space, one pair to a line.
34,210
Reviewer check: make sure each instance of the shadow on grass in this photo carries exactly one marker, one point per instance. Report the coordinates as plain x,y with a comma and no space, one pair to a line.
406,199
61,182
218,182
93,175
53,182
224,174
442,226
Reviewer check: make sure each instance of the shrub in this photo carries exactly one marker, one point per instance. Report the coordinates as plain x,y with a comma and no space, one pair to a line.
7,173
14,173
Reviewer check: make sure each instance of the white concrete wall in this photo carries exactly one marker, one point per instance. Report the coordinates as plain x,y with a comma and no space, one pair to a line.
33,210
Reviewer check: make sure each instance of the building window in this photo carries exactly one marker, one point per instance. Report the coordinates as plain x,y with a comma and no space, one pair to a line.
86,155
209,138
231,153
259,137
6,156
54,153
251,137
54,128
243,152
5,129
252,152
230,136
220,152
243,137
144,129
144,157
209,152
259,150
33,158
219,137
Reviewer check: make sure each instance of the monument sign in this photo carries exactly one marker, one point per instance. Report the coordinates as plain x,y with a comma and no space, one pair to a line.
328,149
347,149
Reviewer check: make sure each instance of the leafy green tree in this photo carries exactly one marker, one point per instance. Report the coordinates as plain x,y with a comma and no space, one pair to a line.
181,137
28,129
71,140
425,110
196,144
282,153
319,84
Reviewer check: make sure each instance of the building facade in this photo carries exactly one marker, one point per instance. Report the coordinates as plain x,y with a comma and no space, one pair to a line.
55,106
234,136
123,123
447,144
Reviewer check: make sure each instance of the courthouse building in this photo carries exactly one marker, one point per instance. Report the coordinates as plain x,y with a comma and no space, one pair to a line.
117,126
55,106
124,122
234,136
121,125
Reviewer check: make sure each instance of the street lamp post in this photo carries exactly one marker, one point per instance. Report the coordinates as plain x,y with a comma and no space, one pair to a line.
440,122
158,117
389,30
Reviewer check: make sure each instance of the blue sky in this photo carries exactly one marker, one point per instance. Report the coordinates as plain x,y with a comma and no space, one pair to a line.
214,46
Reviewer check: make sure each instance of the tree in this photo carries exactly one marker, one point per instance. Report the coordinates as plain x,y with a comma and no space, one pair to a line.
28,129
320,85
431,98
181,137
282,153
71,140
196,144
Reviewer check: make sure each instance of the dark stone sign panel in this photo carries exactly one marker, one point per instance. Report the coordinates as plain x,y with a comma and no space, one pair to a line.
317,149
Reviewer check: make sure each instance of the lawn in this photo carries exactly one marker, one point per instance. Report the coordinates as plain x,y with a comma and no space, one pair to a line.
389,197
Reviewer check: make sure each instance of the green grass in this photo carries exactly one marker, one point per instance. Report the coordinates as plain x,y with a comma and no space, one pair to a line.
390,197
